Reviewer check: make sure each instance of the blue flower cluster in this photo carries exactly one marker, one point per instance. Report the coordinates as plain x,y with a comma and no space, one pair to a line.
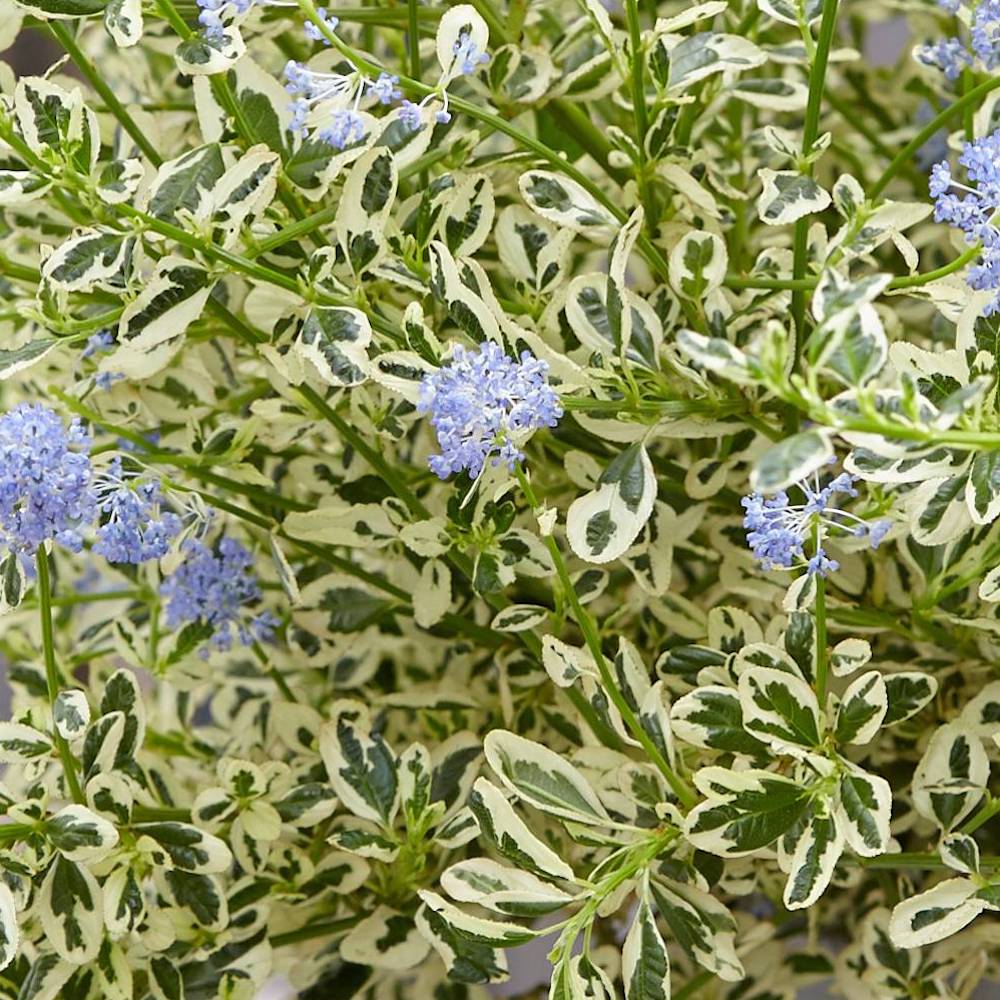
211,588
972,209
49,491
469,56
137,527
211,20
484,403
313,32
778,531
952,55
345,127
46,489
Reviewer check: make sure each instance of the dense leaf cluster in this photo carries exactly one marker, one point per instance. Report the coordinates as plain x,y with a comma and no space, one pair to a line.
551,482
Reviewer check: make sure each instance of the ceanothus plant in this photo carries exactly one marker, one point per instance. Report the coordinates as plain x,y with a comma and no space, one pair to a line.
474,475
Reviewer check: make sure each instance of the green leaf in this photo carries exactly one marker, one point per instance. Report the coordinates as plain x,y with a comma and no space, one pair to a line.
71,713
936,914
701,925
9,936
187,848
81,835
704,53
361,766
788,196
982,493
794,458
602,524
510,835
184,182
818,849
564,202
711,717
69,906
645,962
64,8
502,889
16,360
862,709
335,340
202,895
385,939
951,777
780,709
20,743
542,778
744,811
698,265
467,960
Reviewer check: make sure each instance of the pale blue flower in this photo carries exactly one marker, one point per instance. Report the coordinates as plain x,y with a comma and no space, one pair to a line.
97,343
385,89
346,128
409,115
972,208
470,58
779,532
213,588
313,32
484,403
953,55
46,490
136,528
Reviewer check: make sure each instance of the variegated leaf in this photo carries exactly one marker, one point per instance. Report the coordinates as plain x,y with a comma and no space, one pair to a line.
602,524
542,778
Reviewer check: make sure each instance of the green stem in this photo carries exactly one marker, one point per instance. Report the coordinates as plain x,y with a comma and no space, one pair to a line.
638,87
301,227
413,37
810,131
904,281
903,156
65,38
637,56
160,814
691,987
53,681
986,812
590,633
363,448
822,661
969,114
274,673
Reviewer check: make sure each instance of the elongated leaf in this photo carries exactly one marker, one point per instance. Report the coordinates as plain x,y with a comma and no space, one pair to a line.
936,914
865,811
951,777
81,835
711,717
542,778
645,962
862,709
744,811
601,525
70,911
362,768
510,835
818,849
779,709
